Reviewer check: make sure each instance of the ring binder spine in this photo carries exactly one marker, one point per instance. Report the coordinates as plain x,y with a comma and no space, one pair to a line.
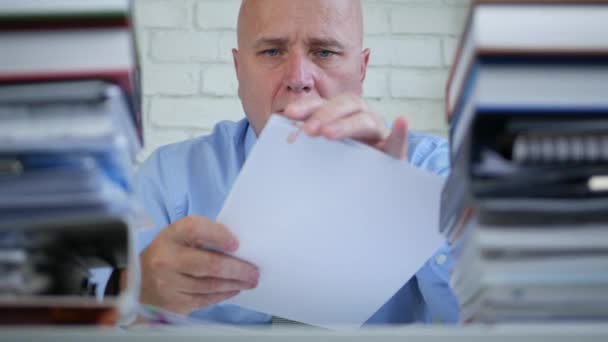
560,149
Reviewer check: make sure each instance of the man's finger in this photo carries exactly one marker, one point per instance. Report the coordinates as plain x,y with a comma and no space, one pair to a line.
335,109
396,144
302,109
200,232
363,126
184,303
200,286
206,300
202,263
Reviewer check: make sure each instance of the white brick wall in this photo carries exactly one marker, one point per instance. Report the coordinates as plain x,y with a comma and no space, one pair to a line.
189,82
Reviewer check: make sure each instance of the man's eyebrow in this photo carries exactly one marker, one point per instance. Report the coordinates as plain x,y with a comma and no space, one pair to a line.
323,42
268,41
326,42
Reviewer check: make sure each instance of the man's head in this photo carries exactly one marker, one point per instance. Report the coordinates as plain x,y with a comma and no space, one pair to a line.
294,49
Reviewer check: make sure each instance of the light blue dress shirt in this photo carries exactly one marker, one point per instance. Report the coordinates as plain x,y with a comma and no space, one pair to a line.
194,177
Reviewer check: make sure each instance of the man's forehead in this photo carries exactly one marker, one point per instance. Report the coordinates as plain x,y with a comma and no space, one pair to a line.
314,20
356,4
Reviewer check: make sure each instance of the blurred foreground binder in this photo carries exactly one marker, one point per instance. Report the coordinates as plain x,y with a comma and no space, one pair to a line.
70,129
526,206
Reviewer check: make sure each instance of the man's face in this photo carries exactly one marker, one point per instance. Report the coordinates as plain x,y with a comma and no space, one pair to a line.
297,49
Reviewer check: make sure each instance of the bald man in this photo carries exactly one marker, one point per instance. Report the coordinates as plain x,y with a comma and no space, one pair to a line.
303,59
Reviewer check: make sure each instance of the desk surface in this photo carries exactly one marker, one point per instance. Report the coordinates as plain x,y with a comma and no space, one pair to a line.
503,333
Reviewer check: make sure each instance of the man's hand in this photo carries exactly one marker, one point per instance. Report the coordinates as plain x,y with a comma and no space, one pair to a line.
179,275
348,116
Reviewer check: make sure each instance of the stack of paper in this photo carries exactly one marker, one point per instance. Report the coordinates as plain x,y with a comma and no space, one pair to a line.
526,205
69,132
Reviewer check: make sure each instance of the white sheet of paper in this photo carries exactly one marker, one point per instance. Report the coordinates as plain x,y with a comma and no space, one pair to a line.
336,228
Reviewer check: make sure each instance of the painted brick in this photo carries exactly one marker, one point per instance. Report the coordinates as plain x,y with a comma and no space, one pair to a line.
217,15
427,20
407,51
166,79
162,14
424,84
184,46
219,80
199,112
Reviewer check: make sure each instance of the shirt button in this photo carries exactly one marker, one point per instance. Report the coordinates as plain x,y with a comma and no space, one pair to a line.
441,259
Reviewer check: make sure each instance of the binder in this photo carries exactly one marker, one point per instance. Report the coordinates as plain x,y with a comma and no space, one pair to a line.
509,28
70,128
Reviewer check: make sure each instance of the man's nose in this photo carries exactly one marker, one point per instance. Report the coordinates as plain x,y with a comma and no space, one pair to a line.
298,74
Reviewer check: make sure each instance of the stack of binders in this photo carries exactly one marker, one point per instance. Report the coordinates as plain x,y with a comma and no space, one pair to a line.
526,205
70,128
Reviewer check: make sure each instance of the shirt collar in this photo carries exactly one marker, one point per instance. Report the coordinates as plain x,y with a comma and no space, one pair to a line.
250,139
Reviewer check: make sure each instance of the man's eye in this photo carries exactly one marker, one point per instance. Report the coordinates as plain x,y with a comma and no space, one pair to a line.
271,52
325,53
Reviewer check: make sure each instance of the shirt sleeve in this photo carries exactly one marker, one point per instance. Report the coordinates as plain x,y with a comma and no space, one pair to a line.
151,192
434,276
148,189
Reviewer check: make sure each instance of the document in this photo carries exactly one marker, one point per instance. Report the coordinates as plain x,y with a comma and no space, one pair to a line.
336,228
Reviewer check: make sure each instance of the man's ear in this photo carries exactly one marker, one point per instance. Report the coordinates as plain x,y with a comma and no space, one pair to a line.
364,62
235,60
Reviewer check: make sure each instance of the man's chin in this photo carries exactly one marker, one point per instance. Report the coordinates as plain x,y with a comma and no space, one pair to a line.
259,122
